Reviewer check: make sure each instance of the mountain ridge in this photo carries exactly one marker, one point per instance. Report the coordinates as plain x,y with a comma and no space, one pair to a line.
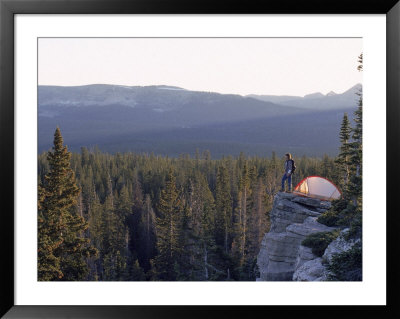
171,120
316,100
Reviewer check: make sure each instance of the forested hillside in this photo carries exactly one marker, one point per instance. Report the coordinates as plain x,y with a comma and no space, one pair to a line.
149,217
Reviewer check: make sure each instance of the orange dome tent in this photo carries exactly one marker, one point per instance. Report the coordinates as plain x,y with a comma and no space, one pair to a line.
317,187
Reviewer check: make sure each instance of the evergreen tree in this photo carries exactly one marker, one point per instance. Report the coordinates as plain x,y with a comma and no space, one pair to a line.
197,229
242,216
49,239
167,230
147,234
115,241
223,205
123,212
136,272
59,217
259,222
205,230
343,159
355,185
348,210
95,234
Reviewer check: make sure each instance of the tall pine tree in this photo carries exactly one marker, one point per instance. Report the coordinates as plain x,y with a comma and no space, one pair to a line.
60,225
343,159
244,196
49,238
168,232
223,205
355,185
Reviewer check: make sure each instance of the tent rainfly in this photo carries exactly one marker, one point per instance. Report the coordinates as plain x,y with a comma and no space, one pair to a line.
317,187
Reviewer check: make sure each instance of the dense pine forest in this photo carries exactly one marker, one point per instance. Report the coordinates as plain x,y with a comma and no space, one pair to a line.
147,217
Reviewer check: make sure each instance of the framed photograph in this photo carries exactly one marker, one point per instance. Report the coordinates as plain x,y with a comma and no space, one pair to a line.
166,158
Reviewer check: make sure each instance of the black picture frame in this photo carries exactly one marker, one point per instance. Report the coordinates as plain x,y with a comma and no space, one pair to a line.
8,8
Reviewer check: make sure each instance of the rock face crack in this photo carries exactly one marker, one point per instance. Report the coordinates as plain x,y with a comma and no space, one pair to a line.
292,219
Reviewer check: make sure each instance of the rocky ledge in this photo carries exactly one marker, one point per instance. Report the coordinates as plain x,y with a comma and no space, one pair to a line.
292,219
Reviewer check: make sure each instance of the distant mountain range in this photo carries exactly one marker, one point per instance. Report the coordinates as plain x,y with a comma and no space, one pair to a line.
170,121
316,101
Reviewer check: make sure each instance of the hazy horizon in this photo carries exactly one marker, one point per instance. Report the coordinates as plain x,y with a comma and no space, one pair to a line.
167,85
243,66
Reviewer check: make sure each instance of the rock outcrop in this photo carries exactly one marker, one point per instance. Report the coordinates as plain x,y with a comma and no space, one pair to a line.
281,254
339,245
312,268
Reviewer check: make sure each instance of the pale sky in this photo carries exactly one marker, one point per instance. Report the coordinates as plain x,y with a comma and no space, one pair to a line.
270,66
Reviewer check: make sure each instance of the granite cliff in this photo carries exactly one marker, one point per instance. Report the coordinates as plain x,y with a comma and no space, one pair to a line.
281,256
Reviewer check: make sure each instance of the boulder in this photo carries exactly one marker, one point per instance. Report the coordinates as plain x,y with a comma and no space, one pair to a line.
312,270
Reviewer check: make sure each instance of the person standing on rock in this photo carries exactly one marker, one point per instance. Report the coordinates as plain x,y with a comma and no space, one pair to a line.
289,169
